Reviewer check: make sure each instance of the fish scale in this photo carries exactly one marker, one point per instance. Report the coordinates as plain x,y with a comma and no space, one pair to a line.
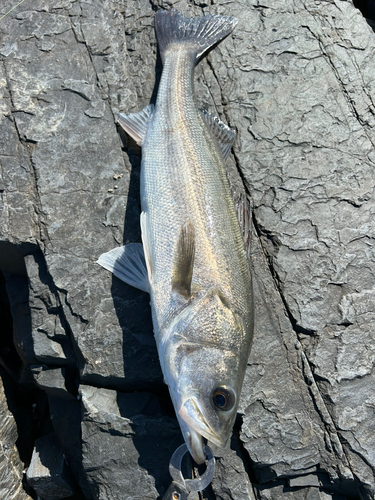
191,179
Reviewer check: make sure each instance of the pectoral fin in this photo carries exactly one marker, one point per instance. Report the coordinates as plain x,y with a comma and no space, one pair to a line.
128,264
184,260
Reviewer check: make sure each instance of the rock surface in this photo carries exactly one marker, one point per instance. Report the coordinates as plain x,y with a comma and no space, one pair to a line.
48,473
296,80
11,467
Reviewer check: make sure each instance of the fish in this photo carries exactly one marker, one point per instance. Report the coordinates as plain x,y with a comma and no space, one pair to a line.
193,260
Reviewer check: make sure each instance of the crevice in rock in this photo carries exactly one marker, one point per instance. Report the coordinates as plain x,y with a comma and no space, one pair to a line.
351,104
308,371
25,401
29,402
248,463
24,143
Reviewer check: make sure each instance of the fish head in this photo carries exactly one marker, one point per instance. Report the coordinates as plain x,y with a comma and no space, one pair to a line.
206,370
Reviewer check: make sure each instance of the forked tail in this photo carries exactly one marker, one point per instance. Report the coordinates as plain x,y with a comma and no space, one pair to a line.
197,33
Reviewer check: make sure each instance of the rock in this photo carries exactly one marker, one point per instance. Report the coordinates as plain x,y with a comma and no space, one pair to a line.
124,448
309,480
33,342
11,467
113,344
51,380
231,480
66,420
47,322
47,473
282,432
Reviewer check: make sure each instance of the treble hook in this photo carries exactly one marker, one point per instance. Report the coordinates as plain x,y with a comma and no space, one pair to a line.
181,488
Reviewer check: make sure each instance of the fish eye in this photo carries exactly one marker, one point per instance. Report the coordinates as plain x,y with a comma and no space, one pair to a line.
224,398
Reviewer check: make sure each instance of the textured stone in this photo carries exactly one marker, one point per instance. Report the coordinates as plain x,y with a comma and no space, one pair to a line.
231,480
50,95
124,448
66,420
38,334
282,432
47,473
309,480
11,467
51,380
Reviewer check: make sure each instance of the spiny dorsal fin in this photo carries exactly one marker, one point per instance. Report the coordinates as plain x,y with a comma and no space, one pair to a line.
128,264
224,135
184,260
135,124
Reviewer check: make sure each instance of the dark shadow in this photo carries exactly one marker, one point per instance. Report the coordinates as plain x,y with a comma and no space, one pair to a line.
156,435
367,8
158,72
27,404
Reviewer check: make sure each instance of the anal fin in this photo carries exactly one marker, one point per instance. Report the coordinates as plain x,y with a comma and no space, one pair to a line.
184,260
128,264
135,124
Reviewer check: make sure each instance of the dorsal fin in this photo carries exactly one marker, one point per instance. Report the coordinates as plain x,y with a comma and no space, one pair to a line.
224,135
184,260
135,124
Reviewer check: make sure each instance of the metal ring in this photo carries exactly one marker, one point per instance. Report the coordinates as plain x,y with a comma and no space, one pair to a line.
199,483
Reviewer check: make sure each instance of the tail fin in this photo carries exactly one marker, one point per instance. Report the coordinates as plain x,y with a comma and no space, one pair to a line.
198,33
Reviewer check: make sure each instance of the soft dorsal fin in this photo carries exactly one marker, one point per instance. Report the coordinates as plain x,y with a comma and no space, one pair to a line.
128,264
222,133
135,124
244,218
184,260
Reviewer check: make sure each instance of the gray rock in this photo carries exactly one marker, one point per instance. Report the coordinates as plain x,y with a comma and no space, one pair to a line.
308,480
282,431
51,380
231,480
82,218
66,420
124,449
38,333
11,467
47,473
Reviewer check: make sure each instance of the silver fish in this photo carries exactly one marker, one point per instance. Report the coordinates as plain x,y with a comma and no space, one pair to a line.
193,261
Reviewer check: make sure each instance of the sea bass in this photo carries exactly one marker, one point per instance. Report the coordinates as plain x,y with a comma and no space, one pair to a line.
193,261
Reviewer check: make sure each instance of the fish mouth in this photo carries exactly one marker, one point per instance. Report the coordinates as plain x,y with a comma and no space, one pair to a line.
192,415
